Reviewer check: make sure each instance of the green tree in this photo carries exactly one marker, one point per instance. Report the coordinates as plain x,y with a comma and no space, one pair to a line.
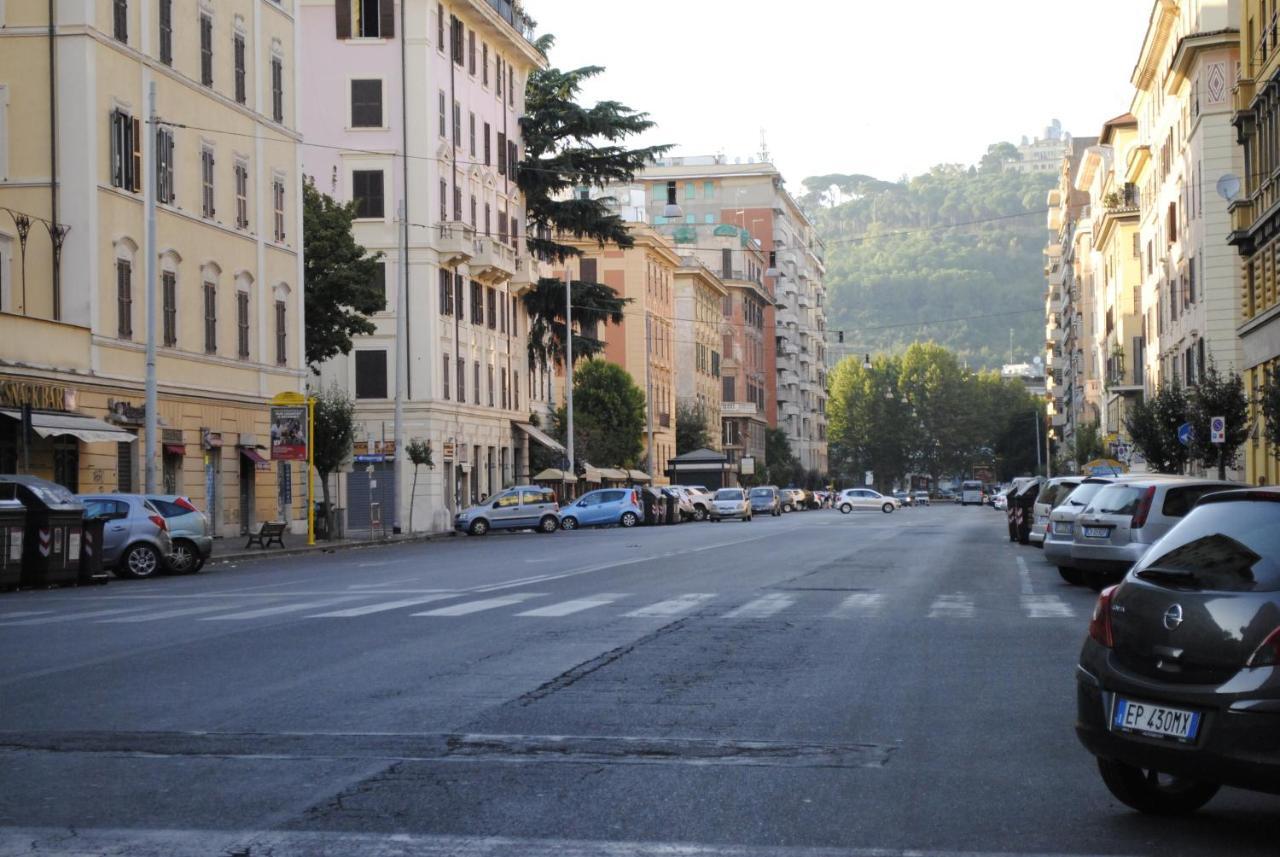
1218,395
1088,444
1269,405
1153,425
419,453
340,278
692,431
779,465
569,146
608,415
334,435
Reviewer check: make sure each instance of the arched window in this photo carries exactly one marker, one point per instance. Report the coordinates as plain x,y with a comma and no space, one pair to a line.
126,252
169,262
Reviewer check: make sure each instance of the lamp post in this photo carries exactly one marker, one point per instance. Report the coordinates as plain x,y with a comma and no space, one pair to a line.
568,367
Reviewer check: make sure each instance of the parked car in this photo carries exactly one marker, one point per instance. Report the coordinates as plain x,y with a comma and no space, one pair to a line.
135,536
1000,502
731,503
971,493
792,499
852,499
904,498
188,530
1178,691
766,500
921,498
603,507
1061,529
1127,517
700,499
525,507
684,502
1051,494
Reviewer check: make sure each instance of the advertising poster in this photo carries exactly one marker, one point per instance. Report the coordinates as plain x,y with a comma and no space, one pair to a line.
289,433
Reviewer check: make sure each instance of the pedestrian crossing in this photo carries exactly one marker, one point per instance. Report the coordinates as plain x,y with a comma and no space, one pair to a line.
710,606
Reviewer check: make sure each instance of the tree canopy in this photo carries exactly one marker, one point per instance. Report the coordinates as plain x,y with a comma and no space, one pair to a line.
608,415
334,433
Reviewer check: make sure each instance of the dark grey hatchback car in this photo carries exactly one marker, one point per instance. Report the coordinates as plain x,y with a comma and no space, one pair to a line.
1178,686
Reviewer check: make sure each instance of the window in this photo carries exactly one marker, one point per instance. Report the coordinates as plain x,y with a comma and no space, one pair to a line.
484,63
446,292
366,103
455,39
210,318
242,195
1191,281
164,165
475,384
515,389
370,19
506,395
445,379
444,200
124,298
277,89
513,156
471,52
457,124
462,380
511,85
457,203
206,50
708,190
379,283
206,183
440,27
472,133
458,295
493,308
120,20
487,135
477,303
443,128
169,303
238,52
166,32
126,151
502,154
497,68
242,324
366,190
282,354
371,374
473,211
277,203
490,386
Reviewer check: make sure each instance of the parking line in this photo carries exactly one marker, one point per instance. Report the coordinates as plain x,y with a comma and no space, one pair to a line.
577,605
470,607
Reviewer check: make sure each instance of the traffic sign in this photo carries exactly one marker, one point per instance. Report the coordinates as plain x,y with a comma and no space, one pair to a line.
1186,433
1218,430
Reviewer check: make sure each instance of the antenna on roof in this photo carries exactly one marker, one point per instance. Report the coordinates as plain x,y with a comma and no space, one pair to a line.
764,147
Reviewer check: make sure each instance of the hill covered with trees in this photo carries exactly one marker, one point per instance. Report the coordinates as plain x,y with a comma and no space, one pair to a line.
954,256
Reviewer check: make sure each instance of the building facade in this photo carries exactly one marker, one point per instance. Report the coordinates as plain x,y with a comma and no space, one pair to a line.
699,335
441,181
221,163
1043,154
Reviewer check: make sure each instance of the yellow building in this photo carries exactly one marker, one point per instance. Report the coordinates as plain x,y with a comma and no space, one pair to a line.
700,328
226,260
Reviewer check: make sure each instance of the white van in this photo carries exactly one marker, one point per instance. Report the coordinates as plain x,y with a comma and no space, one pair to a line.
971,492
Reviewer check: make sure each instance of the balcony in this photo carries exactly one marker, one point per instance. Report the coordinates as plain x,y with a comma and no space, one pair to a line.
525,276
788,378
664,420
787,317
455,243
789,409
519,21
492,262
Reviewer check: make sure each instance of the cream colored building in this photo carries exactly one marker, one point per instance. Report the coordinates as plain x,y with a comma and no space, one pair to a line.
74,151
699,332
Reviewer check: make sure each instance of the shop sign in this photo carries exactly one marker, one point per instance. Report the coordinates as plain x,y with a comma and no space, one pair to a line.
171,436
42,397
211,439
289,433
126,412
747,466
373,451
447,451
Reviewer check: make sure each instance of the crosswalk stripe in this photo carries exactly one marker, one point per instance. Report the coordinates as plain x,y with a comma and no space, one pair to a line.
576,605
382,606
957,606
859,604
762,608
23,613
275,611
469,607
1047,607
680,604
70,617
170,614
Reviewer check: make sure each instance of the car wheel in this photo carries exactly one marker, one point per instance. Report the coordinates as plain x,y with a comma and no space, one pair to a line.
629,519
1095,580
1071,575
699,513
570,523
479,527
845,508
185,558
787,508
141,561
887,508
1153,792
548,524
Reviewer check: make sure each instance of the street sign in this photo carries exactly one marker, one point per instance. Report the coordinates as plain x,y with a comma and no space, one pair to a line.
1218,430
1186,433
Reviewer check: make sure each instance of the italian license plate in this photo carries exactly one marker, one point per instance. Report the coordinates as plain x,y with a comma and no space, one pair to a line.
1061,528
1043,519
1097,532
1157,721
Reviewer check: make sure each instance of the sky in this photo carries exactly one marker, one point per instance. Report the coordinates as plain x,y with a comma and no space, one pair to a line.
853,86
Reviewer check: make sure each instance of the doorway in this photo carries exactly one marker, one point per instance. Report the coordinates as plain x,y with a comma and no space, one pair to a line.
247,469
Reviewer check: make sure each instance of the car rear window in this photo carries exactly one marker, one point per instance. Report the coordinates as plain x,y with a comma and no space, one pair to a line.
1228,547
1084,492
1047,494
169,510
761,492
1178,501
1116,500
1061,492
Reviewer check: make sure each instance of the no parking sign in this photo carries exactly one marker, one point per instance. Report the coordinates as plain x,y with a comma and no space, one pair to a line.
1218,430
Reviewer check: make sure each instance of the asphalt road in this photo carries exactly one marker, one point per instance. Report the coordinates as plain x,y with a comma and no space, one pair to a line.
806,686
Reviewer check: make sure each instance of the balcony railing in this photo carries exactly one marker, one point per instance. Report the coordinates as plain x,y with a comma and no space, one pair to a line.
492,261
511,12
455,242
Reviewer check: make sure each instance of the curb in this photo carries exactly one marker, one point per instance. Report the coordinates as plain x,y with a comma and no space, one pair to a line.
323,548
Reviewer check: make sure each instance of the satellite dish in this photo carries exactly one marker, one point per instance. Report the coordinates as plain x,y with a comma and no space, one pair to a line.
1229,187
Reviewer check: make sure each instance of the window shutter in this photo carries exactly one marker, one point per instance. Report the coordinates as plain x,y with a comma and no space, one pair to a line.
342,11
387,24
137,154
588,271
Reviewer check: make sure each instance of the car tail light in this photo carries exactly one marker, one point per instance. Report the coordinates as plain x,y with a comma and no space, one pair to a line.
1100,624
184,503
159,522
1139,519
1268,654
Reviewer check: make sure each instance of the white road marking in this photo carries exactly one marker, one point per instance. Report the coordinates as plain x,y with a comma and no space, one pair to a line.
859,604
469,607
762,608
21,613
577,605
1047,607
1024,575
957,606
680,604
173,614
383,606
70,617
275,611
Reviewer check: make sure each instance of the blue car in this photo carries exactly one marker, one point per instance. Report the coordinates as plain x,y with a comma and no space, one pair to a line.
602,508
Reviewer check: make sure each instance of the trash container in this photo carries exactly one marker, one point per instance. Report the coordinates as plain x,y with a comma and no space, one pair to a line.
13,516
91,570
52,534
669,501
649,502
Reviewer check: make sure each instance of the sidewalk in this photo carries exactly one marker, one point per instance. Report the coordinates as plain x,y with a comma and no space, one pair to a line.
233,550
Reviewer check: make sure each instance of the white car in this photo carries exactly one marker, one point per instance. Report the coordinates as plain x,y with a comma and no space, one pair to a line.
731,503
852,499
700,498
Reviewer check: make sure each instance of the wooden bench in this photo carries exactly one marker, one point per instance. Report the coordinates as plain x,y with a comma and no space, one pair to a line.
269,533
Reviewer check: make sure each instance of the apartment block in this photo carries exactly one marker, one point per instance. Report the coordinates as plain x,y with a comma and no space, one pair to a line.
700,326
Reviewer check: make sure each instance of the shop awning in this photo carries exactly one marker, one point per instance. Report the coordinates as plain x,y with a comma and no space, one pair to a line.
613,473
552,474
251,454
638,475
86,429
178,449
541,437
592,474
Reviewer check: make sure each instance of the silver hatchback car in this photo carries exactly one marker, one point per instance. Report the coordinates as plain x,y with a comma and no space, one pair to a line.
1052,494
135,536
525,507
1127,517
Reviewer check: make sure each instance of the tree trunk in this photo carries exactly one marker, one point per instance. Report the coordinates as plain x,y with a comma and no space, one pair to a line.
413,494
1222,466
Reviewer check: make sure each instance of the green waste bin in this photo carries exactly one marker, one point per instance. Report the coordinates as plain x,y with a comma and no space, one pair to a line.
13,517
52,535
